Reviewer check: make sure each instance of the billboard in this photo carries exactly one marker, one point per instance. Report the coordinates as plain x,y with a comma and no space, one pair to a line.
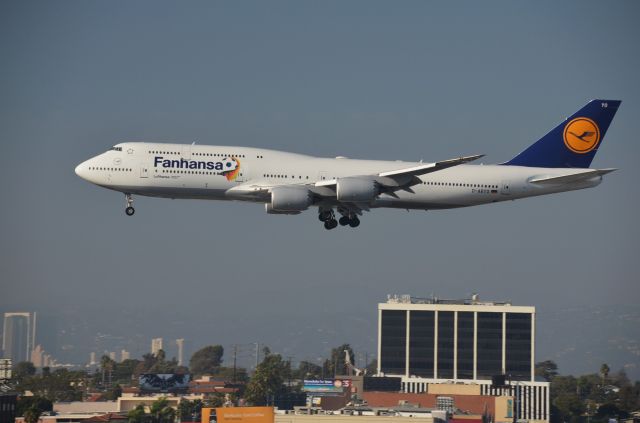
238,414
163,382
326,386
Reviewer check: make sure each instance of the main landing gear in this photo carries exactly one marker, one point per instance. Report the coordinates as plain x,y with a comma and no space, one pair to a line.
330,222
328,217
352,221
129,210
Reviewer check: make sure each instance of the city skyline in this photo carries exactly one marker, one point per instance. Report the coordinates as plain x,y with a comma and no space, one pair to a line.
554,337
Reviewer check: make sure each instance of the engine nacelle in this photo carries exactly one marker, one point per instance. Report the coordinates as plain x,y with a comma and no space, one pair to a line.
356,190
289,199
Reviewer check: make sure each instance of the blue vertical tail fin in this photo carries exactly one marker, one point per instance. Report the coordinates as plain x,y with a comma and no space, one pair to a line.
574,142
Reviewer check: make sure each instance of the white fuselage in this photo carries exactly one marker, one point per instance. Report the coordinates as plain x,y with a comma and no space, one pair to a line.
168,170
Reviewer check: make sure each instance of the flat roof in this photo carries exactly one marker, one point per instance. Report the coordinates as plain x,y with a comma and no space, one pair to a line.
407,302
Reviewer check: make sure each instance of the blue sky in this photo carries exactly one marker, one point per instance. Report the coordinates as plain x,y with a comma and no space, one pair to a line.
365,79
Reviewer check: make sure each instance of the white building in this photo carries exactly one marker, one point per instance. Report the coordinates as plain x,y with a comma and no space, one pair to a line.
156,345
432,341
19,336
180,344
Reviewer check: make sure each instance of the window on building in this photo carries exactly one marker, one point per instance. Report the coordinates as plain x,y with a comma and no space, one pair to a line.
393,341
489,345
421,342
518,346
445,344
465,345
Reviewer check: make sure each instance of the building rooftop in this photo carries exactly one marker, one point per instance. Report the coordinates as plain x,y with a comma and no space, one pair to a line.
474,300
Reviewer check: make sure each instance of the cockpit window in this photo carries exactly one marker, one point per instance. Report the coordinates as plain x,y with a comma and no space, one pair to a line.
116,148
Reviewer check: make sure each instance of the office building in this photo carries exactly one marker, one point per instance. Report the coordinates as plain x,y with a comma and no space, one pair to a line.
124,355
180,344
156,345
19,336
434,341
37,356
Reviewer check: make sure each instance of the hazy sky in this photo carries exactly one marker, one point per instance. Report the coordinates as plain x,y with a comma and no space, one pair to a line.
404,80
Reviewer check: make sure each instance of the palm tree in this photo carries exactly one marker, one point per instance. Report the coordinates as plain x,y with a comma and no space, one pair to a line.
32,415
604,372
137,414
162,412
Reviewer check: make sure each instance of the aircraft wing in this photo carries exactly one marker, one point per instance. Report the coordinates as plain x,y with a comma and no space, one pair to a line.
566,179
389,181
404,178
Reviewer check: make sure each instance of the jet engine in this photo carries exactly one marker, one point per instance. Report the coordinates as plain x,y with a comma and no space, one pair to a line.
356,189
289,200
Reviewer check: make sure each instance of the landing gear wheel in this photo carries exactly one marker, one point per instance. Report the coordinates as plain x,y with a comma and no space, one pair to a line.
129,210
325,215
355,222
344,221
330,224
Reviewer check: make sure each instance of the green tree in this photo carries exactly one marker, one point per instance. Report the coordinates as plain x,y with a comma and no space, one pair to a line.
611,411
23,370
215,400
629,397
137,415
162,412
308,370
335,364
124,372
565,399
569,406
206,360
547,370
190,410
24,403
32,414
106,367
227,373
59,385
604,372
268,380
113,393
589,388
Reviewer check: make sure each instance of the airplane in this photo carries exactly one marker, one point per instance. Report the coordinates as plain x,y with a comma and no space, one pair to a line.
288,183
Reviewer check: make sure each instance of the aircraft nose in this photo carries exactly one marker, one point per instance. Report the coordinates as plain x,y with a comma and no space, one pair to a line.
81,170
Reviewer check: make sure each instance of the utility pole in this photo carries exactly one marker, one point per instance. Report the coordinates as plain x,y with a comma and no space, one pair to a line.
289,360
257,353
235,353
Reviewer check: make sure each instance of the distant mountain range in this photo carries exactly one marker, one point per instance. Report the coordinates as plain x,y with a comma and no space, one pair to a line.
581,339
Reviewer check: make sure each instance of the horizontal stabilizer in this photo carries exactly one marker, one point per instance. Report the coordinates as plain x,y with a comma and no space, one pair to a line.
566,179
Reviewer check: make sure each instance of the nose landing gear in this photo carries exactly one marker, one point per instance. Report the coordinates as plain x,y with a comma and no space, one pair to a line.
129,210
